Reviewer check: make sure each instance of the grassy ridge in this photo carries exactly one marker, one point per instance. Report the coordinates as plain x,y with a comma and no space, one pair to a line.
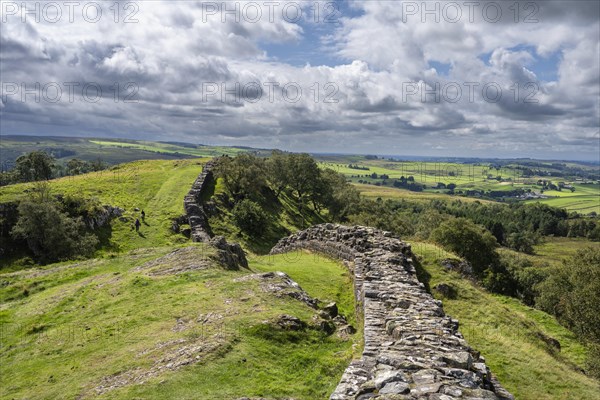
112,151
157,187
99,322
510,337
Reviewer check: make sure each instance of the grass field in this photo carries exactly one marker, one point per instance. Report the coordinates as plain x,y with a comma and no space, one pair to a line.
373,192
84,327
508,334
584,200
157,187
554,250
169,148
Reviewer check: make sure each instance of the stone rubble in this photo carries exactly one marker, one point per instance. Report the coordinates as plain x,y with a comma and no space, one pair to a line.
412,350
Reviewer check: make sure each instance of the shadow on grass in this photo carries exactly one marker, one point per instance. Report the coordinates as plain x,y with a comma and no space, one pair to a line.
104,235
422,275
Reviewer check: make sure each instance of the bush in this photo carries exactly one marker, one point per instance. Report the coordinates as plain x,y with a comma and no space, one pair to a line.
468,240
250,217
51,234
572,293
522,277
593,360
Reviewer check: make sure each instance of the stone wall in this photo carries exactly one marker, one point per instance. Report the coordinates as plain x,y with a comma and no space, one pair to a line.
230,255
194,208
412,350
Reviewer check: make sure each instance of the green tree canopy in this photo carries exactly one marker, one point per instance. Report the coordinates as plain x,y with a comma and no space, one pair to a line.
572,292
34,166
50,233
468,240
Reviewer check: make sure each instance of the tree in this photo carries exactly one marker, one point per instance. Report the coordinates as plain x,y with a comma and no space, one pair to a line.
521,241
34,166
98,165
278,171
572,293
340,197
473,242
76,166
303,174
249,217
243,176
50,234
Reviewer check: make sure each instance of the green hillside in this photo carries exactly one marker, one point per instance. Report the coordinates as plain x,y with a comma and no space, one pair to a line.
513,338
164,323
112,151
157,187
152,315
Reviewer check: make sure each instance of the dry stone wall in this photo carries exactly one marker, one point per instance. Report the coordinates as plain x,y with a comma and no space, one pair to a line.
194,207
412,350
231,255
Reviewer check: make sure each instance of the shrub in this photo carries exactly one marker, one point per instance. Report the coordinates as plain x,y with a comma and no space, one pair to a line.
572,293
468,240
250,217
593,360
50,233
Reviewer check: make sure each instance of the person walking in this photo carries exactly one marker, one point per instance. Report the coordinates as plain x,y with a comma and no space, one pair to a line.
143,215
137,225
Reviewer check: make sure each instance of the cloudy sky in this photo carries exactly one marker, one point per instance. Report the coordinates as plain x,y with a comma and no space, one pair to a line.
503,79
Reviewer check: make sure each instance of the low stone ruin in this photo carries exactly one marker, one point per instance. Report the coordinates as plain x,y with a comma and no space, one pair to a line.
412,350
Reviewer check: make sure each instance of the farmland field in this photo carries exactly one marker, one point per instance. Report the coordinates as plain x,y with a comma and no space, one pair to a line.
472,181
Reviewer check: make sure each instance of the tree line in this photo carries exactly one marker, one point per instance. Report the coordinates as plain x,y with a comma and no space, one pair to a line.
40,166
249,180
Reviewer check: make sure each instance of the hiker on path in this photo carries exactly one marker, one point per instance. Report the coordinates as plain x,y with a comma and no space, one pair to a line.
137,225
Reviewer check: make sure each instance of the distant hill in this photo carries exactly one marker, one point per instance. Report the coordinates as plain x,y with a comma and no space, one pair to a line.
111,151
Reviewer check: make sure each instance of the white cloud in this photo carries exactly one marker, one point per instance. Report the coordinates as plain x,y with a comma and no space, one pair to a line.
177,51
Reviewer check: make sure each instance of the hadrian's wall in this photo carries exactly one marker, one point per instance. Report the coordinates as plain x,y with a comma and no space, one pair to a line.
230,255
194,207
412,350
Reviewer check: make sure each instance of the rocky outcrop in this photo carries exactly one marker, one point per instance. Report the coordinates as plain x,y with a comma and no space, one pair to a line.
103,217
412,350
230,255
